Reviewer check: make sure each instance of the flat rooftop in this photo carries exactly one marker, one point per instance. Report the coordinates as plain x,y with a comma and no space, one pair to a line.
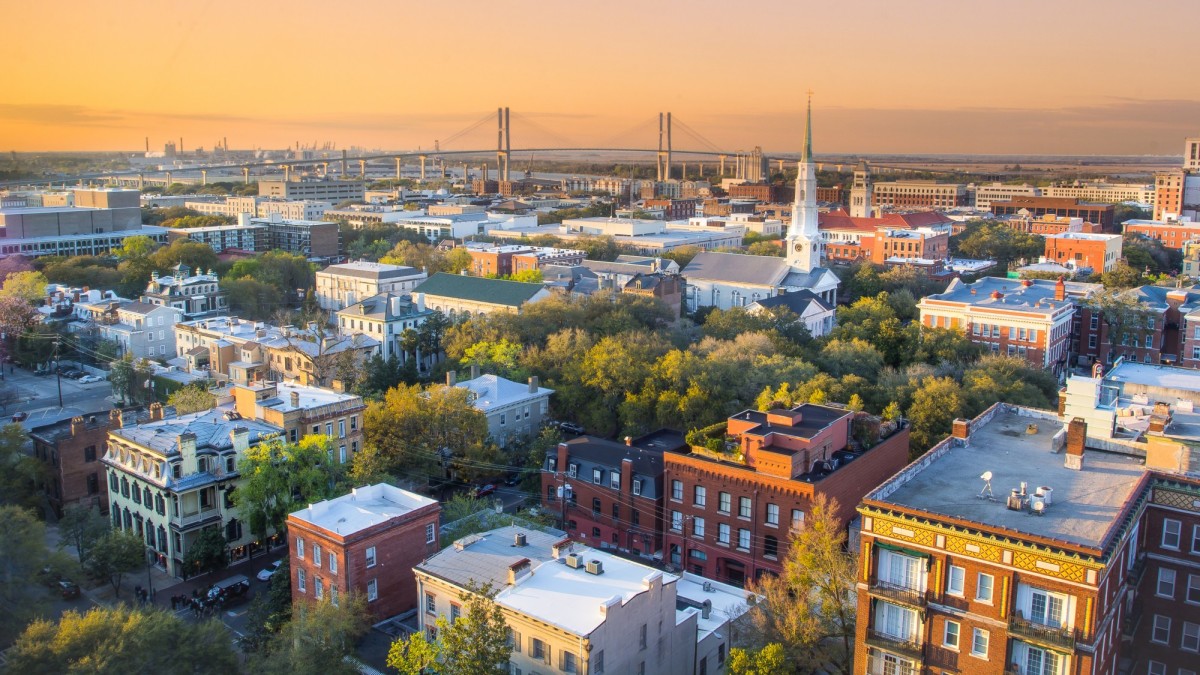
1163,377
1084,504
364,507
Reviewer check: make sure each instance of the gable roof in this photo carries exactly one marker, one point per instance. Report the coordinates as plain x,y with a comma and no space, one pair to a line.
737,268
479,289
796,301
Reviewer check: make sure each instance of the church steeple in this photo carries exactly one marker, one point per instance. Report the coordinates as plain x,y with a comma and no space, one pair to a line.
804,239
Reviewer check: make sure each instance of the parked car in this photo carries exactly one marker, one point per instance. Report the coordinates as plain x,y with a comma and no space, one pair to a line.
269,571
513,480
77,374
20,416
68,589
572,428
88,379
484,490
232,587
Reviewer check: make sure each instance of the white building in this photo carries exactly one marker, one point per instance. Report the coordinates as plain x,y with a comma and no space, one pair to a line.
999,192
194,295
513,410
384,317
339,286
1139,193
574,609
818,316
142,330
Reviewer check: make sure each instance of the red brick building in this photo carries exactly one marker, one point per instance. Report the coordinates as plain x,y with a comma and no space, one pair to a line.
364,543
673,209
1050,224
70,450
1081,562
729,515
1099,252
607,494
1158,334
1172,233
1063,207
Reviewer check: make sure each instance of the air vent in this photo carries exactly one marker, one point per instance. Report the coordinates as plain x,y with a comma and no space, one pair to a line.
574,560
595,567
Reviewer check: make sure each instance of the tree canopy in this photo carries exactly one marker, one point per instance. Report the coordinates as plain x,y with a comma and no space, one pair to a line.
278,477
476,643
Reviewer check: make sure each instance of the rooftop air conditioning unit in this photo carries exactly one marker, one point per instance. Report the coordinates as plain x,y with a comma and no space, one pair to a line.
574,560
595,567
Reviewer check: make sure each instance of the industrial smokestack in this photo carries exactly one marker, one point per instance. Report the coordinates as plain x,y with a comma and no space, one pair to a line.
147,144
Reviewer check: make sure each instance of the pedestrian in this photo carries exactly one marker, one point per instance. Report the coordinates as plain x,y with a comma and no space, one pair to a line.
173,602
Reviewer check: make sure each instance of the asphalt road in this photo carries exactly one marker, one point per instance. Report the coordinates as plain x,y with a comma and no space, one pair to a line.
38,396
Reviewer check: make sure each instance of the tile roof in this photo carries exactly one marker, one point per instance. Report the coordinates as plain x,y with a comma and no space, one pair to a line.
479,289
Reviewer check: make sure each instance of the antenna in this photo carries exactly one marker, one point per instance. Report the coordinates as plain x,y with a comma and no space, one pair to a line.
986,492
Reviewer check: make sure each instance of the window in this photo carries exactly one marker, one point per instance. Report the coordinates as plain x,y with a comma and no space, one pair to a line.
333,595
614,480
723,533
744,539
637,487
723,502
568,662
596,506
677,521
316,555
1038,661
1032,335
699,496
455,611
299,548
903,571
430,603
372,590
955,580
319,588
950,637
597,476
1047,608
1193,589
770,547
1166,583
1161,633
537,649
895,621
329,429
332,563
371,556
677,490
1196,539
642,637
300,579
572,469
89,453
598,663
514,641
698,527
983,588
430,533
979,643
773,515
503,419
743,507
797,519
341,428
1170,535
616,512
1191,637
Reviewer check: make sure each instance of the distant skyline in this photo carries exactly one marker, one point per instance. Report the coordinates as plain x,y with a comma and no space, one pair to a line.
1020,77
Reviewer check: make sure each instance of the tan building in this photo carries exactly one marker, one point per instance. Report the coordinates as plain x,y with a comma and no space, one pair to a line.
456,295
919,194
583,611
340,286
300,411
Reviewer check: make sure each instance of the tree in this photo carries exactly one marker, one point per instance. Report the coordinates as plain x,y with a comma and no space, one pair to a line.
21,556
530,276
769,660
317,639
278,477
20,473
809,609
82,526
114,555
416,430
935,405
1121,277
130,380
122,639
765,248
192,398
135,247
251,298
683,255
28,286
207,552
196,255
474,644
992,240
17,317
1125,315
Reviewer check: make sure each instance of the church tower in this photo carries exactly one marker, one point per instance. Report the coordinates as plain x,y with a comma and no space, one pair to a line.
803,237
860,192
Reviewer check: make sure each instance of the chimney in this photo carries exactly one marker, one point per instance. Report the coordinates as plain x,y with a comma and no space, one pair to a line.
240,437
1076,438
533,385
451,378
186,443
156,412
115,419
419,298
77,426
474,371
1060,290
295,399
961,429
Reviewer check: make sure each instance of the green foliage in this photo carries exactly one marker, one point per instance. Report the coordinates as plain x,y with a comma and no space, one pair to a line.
130,380
113,555
992,240
158,216
474,644
415,429
531,276
22,554
194,254
190,221
192,398
683,254
1122,276
316,641
770,660
207,552
765,248
29,286
501,358
112,641
81,271
1150,255
935,404
21,474
279,477
270,611
82,526
136,247
250,298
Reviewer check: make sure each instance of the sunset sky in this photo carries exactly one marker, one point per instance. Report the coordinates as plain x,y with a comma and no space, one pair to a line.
939,76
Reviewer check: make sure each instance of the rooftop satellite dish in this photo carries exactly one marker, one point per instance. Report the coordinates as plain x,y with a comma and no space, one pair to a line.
986,492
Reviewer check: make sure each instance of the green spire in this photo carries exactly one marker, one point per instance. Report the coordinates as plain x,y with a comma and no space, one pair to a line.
808,132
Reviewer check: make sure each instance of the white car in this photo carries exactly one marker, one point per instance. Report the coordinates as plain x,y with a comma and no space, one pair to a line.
269,571
88,379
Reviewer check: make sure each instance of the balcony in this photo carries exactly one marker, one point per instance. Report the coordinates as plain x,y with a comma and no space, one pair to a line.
1132,621
893,644
189,520
1047,636
898,593
1134,576
878,665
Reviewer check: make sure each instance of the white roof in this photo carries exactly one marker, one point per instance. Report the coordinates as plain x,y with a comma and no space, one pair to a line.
571,598
728,602
493,391
364,507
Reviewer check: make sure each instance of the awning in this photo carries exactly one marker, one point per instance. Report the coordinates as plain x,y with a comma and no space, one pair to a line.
900,549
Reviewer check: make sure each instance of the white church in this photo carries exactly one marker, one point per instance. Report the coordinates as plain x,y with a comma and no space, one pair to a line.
725,280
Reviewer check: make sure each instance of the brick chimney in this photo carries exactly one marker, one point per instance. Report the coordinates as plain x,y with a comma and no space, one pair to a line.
115,419
961,429
533,385
1060,290
451,378
295,399
156,411
77,426
561,465
1076,438
627,475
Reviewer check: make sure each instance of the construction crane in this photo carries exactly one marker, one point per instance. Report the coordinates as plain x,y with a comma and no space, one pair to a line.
529,168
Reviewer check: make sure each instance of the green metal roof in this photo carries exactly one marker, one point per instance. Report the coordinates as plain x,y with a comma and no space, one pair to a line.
479,289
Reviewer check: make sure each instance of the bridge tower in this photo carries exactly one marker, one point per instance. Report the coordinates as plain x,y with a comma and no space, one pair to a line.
664,153
503,143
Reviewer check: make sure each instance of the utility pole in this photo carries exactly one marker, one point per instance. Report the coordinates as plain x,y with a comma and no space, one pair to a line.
58,372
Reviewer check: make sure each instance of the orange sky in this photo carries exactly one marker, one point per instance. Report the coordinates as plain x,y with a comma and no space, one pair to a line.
1016,76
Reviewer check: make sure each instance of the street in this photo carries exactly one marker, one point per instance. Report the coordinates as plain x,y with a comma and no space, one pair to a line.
38,396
